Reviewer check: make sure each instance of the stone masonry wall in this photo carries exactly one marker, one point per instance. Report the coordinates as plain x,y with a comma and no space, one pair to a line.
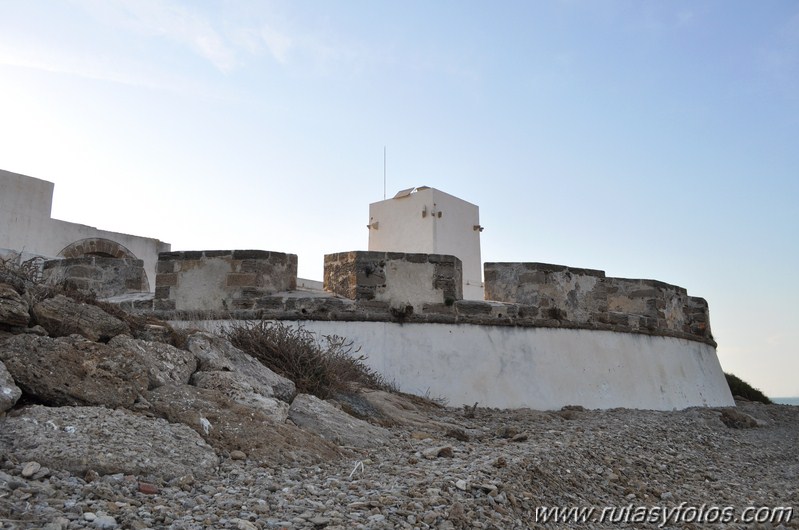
648,304
584,296
417,288
402,280
221,280
559,292
697,317
103,276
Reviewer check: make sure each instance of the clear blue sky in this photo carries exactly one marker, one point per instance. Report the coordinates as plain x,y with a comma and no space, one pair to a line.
647,139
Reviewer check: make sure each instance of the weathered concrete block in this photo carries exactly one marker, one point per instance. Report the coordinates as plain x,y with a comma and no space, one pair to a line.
401,280
219,280
657,305
572,294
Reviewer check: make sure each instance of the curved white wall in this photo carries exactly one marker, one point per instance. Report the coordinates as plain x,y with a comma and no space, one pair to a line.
539,368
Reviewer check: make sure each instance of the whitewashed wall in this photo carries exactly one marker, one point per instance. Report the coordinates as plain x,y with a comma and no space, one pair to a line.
402,227
539,368
25,205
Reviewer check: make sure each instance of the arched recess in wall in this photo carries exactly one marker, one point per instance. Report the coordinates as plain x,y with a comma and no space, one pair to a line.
101,247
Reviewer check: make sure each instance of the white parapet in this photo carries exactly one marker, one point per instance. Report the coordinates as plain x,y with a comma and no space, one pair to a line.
539,368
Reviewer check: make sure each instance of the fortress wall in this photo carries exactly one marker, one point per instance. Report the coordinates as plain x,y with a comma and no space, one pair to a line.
105,277
221,280
697,317
586,297
539,368
647,303
574,338
563,293
401,280
417,288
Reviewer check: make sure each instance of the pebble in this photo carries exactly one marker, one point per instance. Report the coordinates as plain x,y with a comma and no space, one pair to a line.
241,524
105,522
147,488
30,469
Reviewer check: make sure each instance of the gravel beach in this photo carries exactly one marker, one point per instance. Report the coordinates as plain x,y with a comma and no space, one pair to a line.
500,469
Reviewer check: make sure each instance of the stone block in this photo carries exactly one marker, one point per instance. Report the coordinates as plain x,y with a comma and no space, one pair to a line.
166,280
472,307
238,279
221,280
253,255
269,303
575,294
242,303
162,292
217,253
401,280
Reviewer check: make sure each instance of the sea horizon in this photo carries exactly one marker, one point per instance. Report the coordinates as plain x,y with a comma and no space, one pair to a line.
786,400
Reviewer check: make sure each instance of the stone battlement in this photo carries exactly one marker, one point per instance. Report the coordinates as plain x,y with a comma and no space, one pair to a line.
586,297
417,288
400,279
216,280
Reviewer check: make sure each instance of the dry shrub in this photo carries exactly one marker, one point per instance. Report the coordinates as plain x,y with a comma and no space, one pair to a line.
740,388
18,273
25,277
322,369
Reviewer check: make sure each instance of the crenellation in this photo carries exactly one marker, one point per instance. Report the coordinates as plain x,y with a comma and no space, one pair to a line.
587,298
564,293
229,280
400,279
360,286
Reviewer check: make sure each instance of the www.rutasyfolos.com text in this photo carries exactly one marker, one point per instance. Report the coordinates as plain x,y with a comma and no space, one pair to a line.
664,515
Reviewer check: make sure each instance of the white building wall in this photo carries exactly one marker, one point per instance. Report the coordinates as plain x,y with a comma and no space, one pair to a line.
539,368
24,196
26,225
431,222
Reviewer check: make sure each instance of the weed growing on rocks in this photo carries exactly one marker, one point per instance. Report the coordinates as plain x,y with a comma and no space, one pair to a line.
24,276
319,368
18,273
740,388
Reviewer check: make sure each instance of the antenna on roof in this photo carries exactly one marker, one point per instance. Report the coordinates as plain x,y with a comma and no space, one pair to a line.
384,172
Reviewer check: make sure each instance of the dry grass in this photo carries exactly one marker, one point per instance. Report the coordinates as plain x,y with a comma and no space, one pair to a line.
25,277
320,369
18,273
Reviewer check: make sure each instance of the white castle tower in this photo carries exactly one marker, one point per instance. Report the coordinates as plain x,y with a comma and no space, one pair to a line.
430,221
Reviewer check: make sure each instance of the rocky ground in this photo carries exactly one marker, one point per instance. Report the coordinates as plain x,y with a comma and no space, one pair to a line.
107,421
448,471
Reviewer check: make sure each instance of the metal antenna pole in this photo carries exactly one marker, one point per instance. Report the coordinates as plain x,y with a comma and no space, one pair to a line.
384,172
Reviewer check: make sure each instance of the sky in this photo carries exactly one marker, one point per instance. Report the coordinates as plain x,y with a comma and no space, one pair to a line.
647,139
